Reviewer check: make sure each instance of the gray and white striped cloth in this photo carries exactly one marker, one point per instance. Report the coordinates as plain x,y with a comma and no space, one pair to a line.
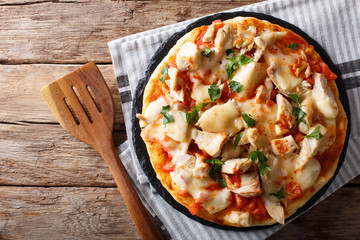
335,25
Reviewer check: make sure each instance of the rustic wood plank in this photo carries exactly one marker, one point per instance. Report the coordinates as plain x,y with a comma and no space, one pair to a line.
64,213
337,217
99,213
20,92
36,31
46,155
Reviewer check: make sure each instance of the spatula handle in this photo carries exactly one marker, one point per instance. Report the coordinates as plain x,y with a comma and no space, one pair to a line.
139,213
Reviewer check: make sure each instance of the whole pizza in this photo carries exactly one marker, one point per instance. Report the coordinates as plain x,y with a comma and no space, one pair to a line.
242,122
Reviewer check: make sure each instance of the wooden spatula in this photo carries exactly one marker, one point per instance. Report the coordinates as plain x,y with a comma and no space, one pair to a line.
82,103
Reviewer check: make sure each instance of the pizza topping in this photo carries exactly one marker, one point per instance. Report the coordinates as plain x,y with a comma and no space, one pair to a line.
214,92
293,46
236,166
209,34
237,139
250,121
229,152
224,118
284,145
167,117
249,183
211,143
294,189
282,77
280,194
188,57
164,73
193,116
176,84
315,134
284,118
274,208
240,218
207,53
235,62
169,167
235,86
259,157
177,129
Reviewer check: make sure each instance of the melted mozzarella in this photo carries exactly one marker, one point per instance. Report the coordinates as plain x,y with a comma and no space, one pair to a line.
152,112
223,118
200,93
236,217
177,130
188,57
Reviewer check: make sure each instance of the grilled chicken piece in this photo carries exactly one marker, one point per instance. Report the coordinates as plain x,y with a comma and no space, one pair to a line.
283,146
210,33
324,98
236,166
307,107
274,208
237,217
176,84
311,146
284,118
224,37
152,112
250,135
249,185
229,152
211,143
188,57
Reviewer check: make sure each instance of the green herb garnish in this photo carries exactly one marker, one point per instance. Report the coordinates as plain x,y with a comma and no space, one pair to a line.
236,61
167,117
214,92
280,194
295,98
215,169
293,46
164,73
237,139
259,157
235,86
229,51
297,111
315,134
193,116
248,119
207,53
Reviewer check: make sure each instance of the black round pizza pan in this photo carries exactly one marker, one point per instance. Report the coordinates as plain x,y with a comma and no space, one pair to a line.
163,50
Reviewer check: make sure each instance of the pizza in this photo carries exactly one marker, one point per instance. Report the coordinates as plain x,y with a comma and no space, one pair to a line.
242,122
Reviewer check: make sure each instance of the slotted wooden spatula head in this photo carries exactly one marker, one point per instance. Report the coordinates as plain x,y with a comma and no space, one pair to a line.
82,103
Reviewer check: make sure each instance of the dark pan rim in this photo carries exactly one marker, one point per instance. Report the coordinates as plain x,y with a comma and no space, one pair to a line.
139,145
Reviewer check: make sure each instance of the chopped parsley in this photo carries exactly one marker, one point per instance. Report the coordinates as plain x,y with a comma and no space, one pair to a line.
259,157
237,139
280,194
214,92
297,111
167,117
215,169
236,87
315,134
164,73
193,116
229,51
236,61
207,53
248,119
293,46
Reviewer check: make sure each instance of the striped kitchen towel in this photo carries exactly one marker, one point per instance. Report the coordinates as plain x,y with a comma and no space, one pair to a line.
326,21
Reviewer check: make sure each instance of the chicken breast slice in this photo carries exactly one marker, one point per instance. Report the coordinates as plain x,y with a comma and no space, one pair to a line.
176,84
274,208
252,136
283,146
229,152
211,143
236,166
311,146
249,185
188,57
284,118
237,217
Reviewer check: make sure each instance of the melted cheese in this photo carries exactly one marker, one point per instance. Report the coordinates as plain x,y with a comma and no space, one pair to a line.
223,118
177,130
152,112
188,57
200,93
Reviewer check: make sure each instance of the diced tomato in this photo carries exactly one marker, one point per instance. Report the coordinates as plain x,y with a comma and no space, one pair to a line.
182,192
169,167
269,103
220,23
226,93
310,80
171,64
294,190
259,209
214,187
195,206
299,137
273,94
328,74
240,201
234,180
199,40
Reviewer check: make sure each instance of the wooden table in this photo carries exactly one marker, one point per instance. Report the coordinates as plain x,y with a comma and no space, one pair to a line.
53,186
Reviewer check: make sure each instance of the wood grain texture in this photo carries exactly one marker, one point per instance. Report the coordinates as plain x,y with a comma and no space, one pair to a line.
20,92
64,213
46,155
78,31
